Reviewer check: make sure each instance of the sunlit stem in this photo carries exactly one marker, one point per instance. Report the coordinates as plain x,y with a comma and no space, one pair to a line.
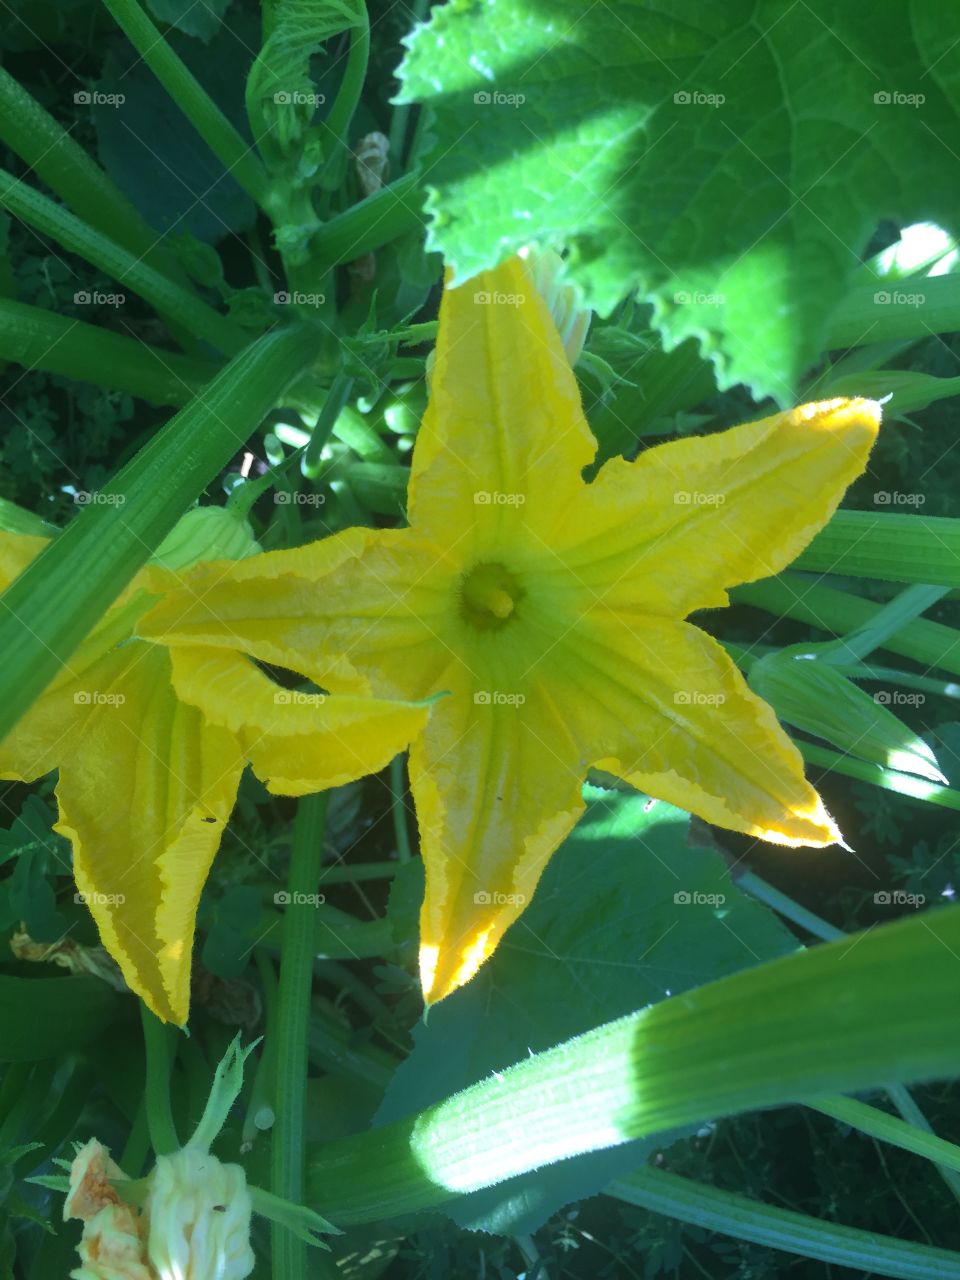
292,1030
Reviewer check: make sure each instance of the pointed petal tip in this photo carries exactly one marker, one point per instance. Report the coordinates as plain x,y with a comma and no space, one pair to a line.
843,413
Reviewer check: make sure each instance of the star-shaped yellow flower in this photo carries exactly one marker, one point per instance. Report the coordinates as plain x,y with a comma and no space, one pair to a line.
551,611
147,784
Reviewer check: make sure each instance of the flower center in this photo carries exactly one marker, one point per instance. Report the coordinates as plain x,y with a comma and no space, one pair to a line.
489,594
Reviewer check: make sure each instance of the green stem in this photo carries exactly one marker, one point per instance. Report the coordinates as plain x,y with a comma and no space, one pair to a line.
888,547
886,1128
904,784
899,1096
713,1209
892,617
51,153
398,789
793,596
337,397
288,1151
341,114
134,1155
391,212
53,605
793,1029
43,340
158,1040
236,155
52,219
263,1087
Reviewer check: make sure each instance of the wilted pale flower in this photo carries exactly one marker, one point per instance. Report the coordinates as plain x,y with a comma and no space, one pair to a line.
195,1219
111,1247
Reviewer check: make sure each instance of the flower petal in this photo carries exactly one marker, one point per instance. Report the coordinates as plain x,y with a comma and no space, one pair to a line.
667,533
297,743
362,606
144,803
497,788
16,552
504,439
663,706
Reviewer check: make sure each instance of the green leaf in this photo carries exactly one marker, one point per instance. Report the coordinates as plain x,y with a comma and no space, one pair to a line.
731,160
200,18
603,934
281,95
46,1017
153,152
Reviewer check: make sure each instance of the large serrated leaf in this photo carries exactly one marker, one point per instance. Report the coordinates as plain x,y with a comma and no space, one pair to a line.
730,160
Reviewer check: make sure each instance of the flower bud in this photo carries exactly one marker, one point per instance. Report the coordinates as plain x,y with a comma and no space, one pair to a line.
198,1211
206,533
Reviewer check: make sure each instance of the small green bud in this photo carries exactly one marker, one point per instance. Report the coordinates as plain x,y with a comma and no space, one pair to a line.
206,533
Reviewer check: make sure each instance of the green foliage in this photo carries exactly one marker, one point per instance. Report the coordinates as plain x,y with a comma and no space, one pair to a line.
774,141
723,243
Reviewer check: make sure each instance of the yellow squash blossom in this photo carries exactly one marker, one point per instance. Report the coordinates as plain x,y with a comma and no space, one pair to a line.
147,785
550,609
